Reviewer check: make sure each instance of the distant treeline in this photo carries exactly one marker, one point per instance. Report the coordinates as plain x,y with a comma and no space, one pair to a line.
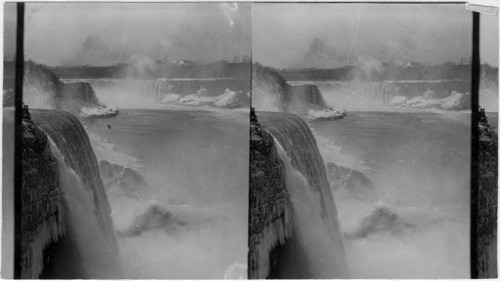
239,70
389,72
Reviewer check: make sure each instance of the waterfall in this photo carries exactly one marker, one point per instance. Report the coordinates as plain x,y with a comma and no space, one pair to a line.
150,89
134,93
78,91
89,249
300,98
351,94
294,98
315,249
270,215
42,214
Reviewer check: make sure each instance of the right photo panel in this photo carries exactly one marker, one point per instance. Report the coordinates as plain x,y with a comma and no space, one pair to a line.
360,151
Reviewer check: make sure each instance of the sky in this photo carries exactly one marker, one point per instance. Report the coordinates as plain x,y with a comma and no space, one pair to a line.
275,34
106,33
332,35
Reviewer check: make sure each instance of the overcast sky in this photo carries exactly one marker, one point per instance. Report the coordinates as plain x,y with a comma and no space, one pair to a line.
104,33
281,34
331,35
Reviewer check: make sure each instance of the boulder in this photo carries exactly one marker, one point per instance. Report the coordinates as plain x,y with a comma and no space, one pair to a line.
456,101
345,178
116,175
398,101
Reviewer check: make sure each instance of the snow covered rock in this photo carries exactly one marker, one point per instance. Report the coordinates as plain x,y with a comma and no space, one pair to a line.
430,94
421,102
100,111
456,101
202,92
232,99
326,114
195,100
170,98
398,101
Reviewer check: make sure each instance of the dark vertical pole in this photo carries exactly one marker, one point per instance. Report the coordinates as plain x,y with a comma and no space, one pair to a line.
249,142
18,135
475,71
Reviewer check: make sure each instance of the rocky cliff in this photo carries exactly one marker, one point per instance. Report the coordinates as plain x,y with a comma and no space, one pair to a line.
486,228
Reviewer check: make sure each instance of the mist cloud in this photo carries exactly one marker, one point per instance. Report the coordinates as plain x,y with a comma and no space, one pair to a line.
107,33
325,35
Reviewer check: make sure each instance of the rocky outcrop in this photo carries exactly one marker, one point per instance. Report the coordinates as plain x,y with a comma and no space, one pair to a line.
270,207
456,101
42,200
229,99
155,217
382,219
345,178
487,202
123,177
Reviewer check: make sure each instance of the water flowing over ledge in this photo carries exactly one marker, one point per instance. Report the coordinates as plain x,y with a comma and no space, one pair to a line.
299,170
270,207
42,201
66,226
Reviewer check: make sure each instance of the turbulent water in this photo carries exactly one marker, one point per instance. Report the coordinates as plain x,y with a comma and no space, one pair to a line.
193,212
316,234
416,222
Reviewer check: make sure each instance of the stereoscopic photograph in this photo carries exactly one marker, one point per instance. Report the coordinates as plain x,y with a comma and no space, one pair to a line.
134,140
249,140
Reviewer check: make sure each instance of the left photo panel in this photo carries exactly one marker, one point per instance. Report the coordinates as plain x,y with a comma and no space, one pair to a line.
134,137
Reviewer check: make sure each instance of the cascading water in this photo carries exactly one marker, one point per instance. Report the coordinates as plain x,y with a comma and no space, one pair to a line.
355,95
78,91
137,93
300,98
128,92
315,230
295,98
89,249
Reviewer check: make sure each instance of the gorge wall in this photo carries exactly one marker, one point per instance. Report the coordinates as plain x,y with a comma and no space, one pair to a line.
486,229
